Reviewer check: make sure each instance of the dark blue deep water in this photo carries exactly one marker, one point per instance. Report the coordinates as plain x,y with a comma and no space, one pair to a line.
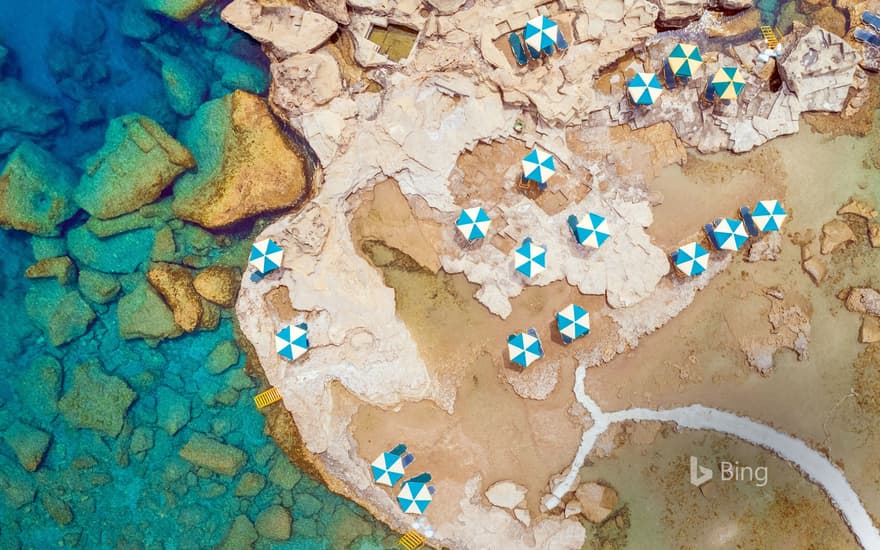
101,420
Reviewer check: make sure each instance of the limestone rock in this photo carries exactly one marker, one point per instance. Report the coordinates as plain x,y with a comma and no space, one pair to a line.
96,400
506,494
57,509
41,395
819,69
874,234
218,284
284,474
185,85
572,508
859,208
274,523
29,444
834,234
677,13
597,501
286,30
141,440
869,332
62,314
174,284
767,248
172,410
122,253
35,191
136,163
98,287
15,485
250,484
863,300
222,357
523,516
246,165
306,81
242,535
60,268
209,453
24,112
175,9
143,314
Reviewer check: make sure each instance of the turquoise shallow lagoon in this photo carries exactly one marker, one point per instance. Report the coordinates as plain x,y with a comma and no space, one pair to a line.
112,442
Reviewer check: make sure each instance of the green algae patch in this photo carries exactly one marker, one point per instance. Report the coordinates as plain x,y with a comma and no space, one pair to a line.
61,313
246,165
209,453
175,9
136,163
35,191
122,253
143,314
28,443
96,400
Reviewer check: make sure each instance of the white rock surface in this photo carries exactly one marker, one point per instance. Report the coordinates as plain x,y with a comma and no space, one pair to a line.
506,494
287,30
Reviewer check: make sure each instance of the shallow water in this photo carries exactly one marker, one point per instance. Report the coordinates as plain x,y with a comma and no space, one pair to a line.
91,489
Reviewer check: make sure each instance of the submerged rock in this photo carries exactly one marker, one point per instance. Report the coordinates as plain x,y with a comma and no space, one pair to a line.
35,191
48,247
174,283
172,410
250,484
284,474
143,314
29,444
57,509
98,287
274,523
175,9
238,74
96,400
136,23
241,535
61,313
137,162
25,112
222,357
209,453
122,253
60,268
218,284
41,395
246,165
18,488
185,85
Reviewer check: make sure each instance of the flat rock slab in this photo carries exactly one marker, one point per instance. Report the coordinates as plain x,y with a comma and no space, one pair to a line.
96,400
209,453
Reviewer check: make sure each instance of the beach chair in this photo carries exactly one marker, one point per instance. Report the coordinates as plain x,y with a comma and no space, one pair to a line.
517,48
411,540
561,43
710,232
872,19
549,50
746,214
668,75
868,37
535,54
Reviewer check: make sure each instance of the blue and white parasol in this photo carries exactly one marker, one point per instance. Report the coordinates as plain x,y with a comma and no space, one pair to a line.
473,223
541,33
573,322
730,234
266,256
415,494
538,166
691,259
292,341
524,347
530,259
768,215
592,230
388,468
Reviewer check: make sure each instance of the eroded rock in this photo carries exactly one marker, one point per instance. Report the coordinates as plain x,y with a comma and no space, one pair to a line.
174,284
863,300
597,501
29,444
209,453
506,494
96,400
218,284
835,234
286,30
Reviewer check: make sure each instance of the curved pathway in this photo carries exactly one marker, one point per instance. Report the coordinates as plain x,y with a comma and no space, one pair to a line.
697,417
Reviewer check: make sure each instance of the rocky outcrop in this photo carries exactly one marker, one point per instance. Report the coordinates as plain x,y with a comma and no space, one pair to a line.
62,314
246,165
174,284
209,453
35,191
596,501
835,234
218,284
819,69
863,300
285,30
678,13
29,444
175,9
137,162
96,400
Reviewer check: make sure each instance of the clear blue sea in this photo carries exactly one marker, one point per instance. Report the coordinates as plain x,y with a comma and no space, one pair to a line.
107,470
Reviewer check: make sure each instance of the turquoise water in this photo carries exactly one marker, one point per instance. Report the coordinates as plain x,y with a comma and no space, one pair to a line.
101,420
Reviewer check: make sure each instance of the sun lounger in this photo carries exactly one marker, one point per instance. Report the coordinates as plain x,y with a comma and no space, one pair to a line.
535,54
867,37
872,19
747,220
561,44
710,232
517,48
668,75
267,397
549,50
411,540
